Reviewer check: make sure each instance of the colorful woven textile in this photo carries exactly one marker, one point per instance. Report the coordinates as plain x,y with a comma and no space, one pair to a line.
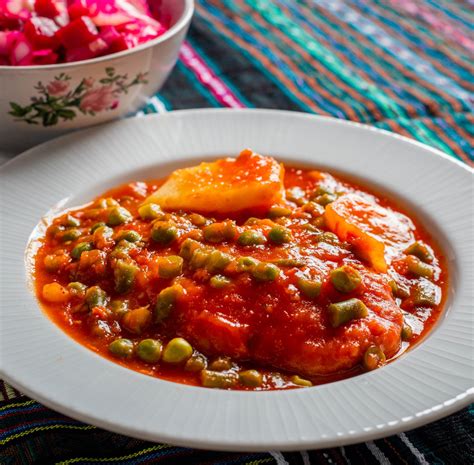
401,65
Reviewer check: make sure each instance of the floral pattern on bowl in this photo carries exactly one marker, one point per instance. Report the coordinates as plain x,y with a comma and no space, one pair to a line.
58,100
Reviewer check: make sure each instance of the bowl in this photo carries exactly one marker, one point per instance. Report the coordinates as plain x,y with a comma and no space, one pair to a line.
92,91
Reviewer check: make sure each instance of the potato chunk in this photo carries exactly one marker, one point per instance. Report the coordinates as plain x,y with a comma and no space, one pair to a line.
369,227
224,186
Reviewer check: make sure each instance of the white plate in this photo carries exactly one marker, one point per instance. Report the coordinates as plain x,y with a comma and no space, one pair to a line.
432,380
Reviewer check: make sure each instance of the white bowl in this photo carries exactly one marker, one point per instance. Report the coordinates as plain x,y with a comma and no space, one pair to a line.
432,380
142,71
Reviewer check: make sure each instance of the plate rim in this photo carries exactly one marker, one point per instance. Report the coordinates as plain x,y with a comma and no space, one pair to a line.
455,404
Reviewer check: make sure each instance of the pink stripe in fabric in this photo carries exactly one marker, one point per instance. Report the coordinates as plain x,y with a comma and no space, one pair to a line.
454,33
208,78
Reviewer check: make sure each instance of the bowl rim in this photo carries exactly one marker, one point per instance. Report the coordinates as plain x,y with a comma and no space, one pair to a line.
182,22
451,391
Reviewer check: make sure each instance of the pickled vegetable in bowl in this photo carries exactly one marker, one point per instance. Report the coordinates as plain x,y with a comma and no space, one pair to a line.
43,32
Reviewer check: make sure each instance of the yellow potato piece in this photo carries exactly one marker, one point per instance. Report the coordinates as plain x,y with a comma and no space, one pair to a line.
369,227
227,185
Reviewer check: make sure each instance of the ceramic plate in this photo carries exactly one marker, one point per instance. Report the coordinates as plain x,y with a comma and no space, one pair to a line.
430,381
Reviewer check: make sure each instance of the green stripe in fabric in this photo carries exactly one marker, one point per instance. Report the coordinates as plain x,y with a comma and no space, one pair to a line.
401,75
258,462
349,53
216,25
275,16
305,70
113,459
425,32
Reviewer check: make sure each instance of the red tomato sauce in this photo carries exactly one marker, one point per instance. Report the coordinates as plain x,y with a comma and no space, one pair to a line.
233,319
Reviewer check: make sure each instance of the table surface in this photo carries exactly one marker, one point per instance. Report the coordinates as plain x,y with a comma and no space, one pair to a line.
401,65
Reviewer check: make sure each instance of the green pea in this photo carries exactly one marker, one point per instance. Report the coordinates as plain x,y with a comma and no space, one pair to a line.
129,235
418,268
265,272
96,226
295,379
149,350
246,264
108,202
96,297
277,212
214,232
221,364
217,261
407,332
188,247
251,378
150,211
197,220
178,350
124,276
118,215
296,195
164,232
348,310
373,358
279,235
166,301
426,293
420,250
77,289
52,263
199,258
250,237
122,348
71,221
325,199
328,237
196,363
122,249
70,235
309,287
81,247
217,379
219,282
314,209
346,279
119,307
170,266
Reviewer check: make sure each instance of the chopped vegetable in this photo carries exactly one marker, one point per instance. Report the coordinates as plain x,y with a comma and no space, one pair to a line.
295,379
150,211
166,301
124,276
418,268
346,279
118,215
265,272
251,237
122,348
197,362
149,350
81,247
373,358
219,282
137,320
164,232
217,379
170,266
251,378
421,251
55,293
178,350
309,287
279,235
348,310
96,297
